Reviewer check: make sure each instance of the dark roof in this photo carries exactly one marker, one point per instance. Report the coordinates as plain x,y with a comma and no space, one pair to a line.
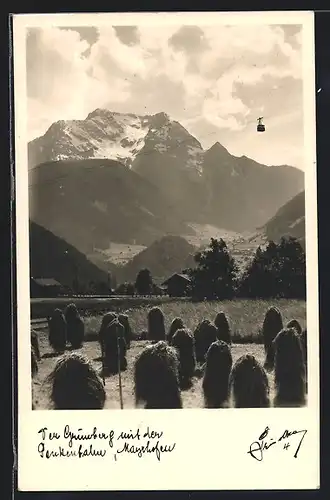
177,275
46,281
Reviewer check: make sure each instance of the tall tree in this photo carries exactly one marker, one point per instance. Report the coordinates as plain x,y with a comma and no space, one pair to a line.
215,274
279,270
143,282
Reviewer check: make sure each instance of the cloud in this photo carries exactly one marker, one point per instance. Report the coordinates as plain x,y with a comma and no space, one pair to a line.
128,35
189,39
214,79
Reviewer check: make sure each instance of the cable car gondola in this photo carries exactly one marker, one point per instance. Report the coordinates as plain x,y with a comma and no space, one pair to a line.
260,127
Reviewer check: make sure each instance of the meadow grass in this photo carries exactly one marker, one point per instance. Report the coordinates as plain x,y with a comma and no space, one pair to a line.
245,318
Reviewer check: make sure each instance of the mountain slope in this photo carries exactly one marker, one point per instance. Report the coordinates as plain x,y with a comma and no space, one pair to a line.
154,146
242,193
163,257
117,136
171,159
92,202
52,257
288,221
206,187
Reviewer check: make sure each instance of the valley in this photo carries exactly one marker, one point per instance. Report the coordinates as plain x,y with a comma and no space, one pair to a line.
129,191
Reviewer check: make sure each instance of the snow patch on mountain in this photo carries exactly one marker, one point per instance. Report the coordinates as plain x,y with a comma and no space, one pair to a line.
195,157
118,136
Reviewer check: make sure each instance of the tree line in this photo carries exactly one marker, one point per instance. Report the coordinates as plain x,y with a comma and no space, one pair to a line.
277,270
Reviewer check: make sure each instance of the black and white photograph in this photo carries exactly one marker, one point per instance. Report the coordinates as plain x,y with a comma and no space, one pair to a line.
166,216
166,219
166,227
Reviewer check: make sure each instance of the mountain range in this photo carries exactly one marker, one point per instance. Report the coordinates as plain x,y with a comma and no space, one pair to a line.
129,178
163,257
90,203
289,220
52,257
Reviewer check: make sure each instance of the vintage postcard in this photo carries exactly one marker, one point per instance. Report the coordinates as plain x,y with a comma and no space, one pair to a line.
167,273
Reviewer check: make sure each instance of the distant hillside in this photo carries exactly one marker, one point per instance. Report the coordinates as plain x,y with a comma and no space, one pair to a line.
242,193
190,184
289,220
163,257
52,257
91,203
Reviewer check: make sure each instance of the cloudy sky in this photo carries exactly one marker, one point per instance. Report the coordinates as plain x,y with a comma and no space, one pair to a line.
215,80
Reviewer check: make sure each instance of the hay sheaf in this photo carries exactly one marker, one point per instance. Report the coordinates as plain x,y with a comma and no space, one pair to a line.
70,311
35,344
106,320
114,348
34,362
296,325
57,331
75,326
272,325
156,325
290,373
75,385
249,383
184,343
222,325
216,375
156,377
204,335
303,339
76,332
176,324
124,320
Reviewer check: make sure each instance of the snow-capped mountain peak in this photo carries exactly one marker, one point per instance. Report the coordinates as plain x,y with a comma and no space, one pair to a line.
117,136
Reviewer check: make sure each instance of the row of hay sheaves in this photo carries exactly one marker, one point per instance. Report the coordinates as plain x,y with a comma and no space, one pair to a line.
170,361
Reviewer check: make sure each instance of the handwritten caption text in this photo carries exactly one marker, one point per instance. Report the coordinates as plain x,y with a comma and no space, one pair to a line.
98,443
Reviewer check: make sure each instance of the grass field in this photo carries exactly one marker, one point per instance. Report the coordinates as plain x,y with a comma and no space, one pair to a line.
245,318
120,253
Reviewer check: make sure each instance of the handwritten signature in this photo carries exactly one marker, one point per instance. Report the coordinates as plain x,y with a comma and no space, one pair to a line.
257,448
